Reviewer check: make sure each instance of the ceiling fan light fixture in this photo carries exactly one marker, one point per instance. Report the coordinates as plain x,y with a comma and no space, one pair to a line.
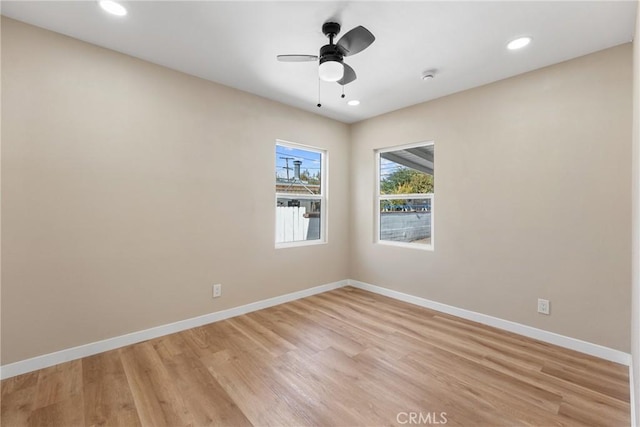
331,71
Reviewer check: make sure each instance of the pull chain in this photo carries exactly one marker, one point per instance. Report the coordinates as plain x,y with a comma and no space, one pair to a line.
319,104
342,92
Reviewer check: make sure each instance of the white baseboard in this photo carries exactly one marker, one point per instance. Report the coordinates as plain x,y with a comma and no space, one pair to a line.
518,328
44,361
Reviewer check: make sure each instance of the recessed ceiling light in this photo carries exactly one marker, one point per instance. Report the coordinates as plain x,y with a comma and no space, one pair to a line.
113,7
519,43
353,102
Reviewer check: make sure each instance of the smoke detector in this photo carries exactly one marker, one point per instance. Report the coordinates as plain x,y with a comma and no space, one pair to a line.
428,75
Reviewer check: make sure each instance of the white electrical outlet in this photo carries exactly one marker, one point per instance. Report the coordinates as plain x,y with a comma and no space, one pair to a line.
217,290
543,306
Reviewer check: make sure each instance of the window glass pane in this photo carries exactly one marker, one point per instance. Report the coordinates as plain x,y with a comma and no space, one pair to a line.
298,171
406,220
297,219
408,171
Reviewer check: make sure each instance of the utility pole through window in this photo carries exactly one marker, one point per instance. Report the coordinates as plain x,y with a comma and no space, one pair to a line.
287,168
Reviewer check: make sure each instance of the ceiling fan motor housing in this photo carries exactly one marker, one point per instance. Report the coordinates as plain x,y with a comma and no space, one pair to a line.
330,52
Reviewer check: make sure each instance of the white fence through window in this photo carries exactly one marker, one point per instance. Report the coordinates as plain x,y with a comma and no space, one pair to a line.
291,225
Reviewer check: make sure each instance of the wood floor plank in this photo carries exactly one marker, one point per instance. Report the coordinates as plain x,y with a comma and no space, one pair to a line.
306,335
313,390
613,387
339,393
568,390
58,383
206,401
66,412
268,340
263,402
157,400
593,415
343,358
328,336
19,382
358,383
107,396
224,335
17,405
434,391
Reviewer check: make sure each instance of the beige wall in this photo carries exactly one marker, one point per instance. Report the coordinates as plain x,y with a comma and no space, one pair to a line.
532,189
635,300
129,189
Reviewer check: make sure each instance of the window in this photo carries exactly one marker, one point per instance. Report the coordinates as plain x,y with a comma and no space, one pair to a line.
405,190
300,195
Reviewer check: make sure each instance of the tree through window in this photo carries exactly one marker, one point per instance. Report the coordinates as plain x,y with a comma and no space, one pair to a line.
405,192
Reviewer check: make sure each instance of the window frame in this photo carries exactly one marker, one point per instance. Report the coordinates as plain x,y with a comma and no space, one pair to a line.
378,198
323,196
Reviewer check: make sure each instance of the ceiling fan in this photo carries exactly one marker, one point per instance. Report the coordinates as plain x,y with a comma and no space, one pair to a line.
332,67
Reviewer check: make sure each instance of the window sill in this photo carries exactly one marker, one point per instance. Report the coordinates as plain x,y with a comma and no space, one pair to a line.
300,244
418,246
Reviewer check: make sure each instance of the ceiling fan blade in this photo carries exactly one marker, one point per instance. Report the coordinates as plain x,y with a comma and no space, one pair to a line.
297,58
348,77
355,41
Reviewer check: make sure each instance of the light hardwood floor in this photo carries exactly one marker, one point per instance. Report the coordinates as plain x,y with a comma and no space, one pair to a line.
342,358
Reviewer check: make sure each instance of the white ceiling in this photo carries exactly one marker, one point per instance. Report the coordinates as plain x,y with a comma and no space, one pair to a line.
235,43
